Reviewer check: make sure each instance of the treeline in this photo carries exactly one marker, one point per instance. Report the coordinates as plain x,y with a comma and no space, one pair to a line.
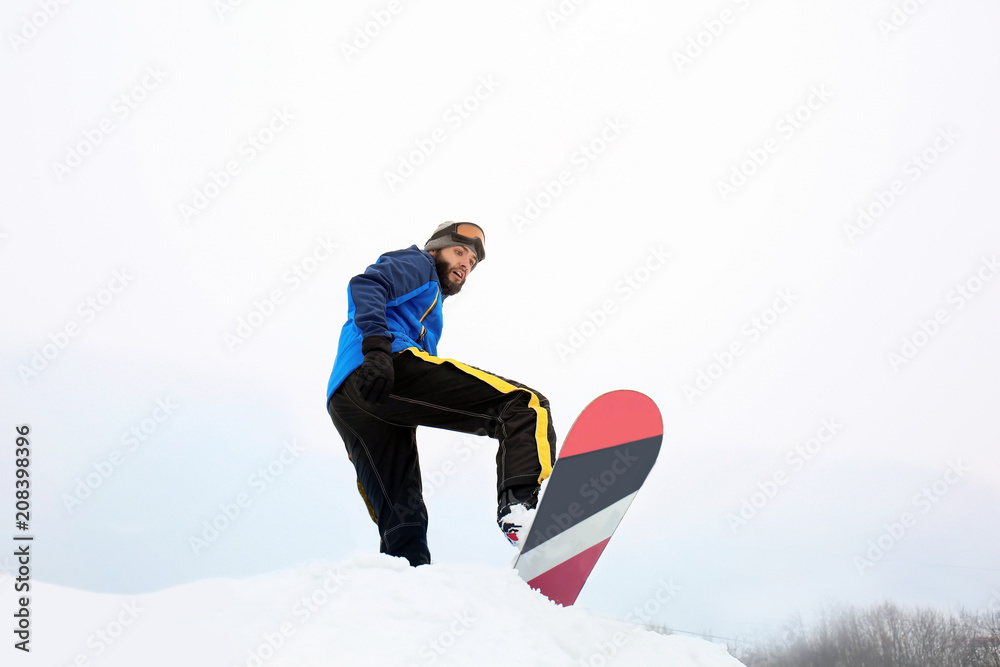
884,636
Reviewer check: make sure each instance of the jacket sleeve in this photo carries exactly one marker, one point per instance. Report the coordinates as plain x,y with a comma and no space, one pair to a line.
395,278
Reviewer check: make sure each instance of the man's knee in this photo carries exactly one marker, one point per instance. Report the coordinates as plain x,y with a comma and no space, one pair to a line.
531,399
544,402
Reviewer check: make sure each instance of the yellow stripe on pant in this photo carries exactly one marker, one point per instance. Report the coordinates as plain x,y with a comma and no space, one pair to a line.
503,386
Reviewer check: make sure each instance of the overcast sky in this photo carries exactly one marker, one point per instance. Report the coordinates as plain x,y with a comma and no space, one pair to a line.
778,219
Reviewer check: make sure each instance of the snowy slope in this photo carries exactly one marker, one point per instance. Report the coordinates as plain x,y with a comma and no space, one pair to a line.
372,611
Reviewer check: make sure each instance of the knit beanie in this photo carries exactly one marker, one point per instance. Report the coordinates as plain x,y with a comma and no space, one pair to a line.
442,239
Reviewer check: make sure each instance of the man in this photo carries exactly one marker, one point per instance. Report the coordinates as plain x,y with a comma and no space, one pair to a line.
387,380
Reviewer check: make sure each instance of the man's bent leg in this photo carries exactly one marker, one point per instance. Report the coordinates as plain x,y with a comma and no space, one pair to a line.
388,468
444,393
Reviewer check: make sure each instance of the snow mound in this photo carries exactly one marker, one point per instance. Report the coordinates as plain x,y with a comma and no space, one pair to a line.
371,611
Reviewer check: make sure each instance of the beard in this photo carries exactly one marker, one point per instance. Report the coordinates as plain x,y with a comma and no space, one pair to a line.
448,286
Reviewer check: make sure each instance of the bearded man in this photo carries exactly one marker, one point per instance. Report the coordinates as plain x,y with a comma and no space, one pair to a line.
387,379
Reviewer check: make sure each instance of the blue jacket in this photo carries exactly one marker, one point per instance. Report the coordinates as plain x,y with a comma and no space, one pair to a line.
399,297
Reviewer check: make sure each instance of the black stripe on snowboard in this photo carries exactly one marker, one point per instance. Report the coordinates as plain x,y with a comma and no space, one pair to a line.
584,484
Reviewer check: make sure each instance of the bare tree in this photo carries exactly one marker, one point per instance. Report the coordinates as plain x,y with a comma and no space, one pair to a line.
885,635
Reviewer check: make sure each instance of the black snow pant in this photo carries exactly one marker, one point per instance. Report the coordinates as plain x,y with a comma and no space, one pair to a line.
442,393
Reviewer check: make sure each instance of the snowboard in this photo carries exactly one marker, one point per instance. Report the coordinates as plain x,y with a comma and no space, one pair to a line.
604,460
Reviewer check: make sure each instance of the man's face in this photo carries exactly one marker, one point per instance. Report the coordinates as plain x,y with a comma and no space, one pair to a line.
453,266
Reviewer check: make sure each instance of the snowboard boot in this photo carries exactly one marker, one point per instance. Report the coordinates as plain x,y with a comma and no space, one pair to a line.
516,512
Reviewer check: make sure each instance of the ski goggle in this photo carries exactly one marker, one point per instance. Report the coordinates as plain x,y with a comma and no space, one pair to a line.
466,233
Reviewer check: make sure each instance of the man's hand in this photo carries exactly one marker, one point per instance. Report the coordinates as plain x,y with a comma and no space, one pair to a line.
375,377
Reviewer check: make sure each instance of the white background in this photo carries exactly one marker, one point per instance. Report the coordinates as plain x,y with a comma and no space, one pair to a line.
686,95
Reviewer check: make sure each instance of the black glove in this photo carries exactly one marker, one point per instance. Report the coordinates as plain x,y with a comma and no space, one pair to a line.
375,377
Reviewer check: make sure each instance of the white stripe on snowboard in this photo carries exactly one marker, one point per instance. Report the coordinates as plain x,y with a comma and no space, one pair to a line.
572,541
